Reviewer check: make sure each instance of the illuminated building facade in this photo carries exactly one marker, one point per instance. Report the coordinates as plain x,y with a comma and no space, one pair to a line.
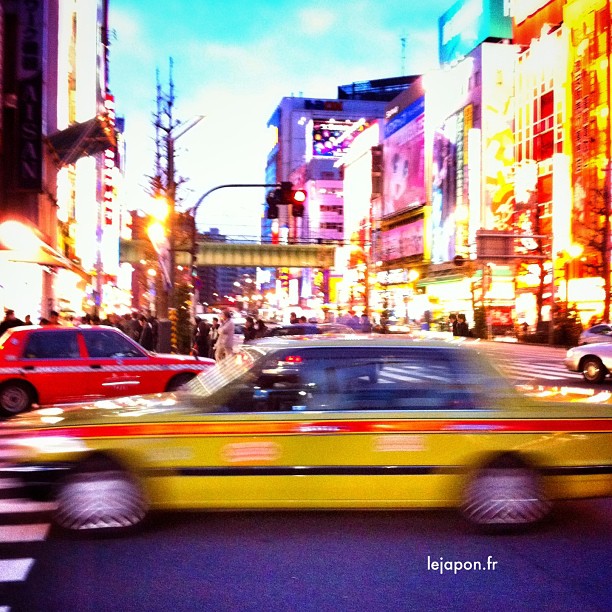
58,154
311,136
590,55
563,150
400,213
362,192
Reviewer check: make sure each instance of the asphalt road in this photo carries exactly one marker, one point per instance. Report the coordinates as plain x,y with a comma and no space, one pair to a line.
330,561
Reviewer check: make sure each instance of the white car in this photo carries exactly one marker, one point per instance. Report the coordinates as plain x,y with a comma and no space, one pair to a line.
601,332
593,360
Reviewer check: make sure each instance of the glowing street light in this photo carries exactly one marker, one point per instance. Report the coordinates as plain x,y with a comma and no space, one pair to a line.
17,236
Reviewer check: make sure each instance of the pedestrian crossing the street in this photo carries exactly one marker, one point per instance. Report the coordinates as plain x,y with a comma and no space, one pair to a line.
24,524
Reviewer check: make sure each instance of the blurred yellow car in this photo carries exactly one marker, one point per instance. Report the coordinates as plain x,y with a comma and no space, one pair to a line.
352,422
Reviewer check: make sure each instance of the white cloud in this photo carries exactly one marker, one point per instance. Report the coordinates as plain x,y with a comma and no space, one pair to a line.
316,21
238,85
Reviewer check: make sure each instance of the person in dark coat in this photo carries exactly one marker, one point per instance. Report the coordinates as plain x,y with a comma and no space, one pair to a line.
260,329
462,326
250,333
452,319
202,338
146,333
10,320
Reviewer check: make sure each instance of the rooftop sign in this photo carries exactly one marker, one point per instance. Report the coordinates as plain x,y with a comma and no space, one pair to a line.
470,22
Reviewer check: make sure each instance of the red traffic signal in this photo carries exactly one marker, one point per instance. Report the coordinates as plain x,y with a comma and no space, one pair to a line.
298,198
295,197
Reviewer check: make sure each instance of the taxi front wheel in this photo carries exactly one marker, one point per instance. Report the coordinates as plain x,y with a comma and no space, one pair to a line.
100,497
15,397
505,496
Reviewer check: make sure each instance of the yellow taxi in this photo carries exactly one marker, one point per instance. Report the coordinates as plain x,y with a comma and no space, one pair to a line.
320,423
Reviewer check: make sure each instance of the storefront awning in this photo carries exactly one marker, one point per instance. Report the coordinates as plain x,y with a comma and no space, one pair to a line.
44,255
82,139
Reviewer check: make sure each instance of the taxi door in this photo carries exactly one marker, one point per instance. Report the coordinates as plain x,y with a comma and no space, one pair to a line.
53,362
116,364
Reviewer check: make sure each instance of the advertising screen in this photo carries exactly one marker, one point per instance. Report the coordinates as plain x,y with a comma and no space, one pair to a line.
404,160
468,23
332,137
399,242
444,190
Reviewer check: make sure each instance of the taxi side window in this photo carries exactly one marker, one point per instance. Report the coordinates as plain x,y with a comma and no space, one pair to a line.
52,345
366,379
107,344
355,380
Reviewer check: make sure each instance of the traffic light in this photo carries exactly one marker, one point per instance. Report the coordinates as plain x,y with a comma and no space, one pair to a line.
295,197
298,198
273,200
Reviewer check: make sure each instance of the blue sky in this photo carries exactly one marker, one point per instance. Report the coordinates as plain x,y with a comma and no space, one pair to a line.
233,62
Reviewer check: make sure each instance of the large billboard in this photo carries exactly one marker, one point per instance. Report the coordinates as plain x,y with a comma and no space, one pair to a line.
498,136
400,242
444,188
404,160
332,137
470,22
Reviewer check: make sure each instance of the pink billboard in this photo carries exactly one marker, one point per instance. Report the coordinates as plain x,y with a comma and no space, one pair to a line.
403,241
404,160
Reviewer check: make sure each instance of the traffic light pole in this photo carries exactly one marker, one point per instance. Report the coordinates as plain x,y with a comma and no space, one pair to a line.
194,235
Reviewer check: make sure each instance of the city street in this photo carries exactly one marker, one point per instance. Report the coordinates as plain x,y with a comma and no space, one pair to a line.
323,561
419,560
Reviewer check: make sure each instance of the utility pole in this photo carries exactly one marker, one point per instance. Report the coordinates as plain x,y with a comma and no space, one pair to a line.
164,126
167,132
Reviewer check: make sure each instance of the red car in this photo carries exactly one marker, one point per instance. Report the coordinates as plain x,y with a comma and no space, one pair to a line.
44,365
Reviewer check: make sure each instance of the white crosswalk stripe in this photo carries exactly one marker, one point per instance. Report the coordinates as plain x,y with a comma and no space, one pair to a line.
15,570
11,506
22,525
24,533
527,370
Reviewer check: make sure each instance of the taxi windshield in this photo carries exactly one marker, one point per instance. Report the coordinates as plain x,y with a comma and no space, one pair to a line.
224,372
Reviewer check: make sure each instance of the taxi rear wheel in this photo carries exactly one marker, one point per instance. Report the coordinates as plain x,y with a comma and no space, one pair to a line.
100,497
15,397
505,496
593,370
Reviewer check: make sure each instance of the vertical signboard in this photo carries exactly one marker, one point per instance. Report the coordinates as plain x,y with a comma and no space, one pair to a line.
444,189
30,39
110,168
404,160
498,69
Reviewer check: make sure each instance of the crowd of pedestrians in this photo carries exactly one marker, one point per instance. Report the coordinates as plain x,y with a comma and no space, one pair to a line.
140,327
459,325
